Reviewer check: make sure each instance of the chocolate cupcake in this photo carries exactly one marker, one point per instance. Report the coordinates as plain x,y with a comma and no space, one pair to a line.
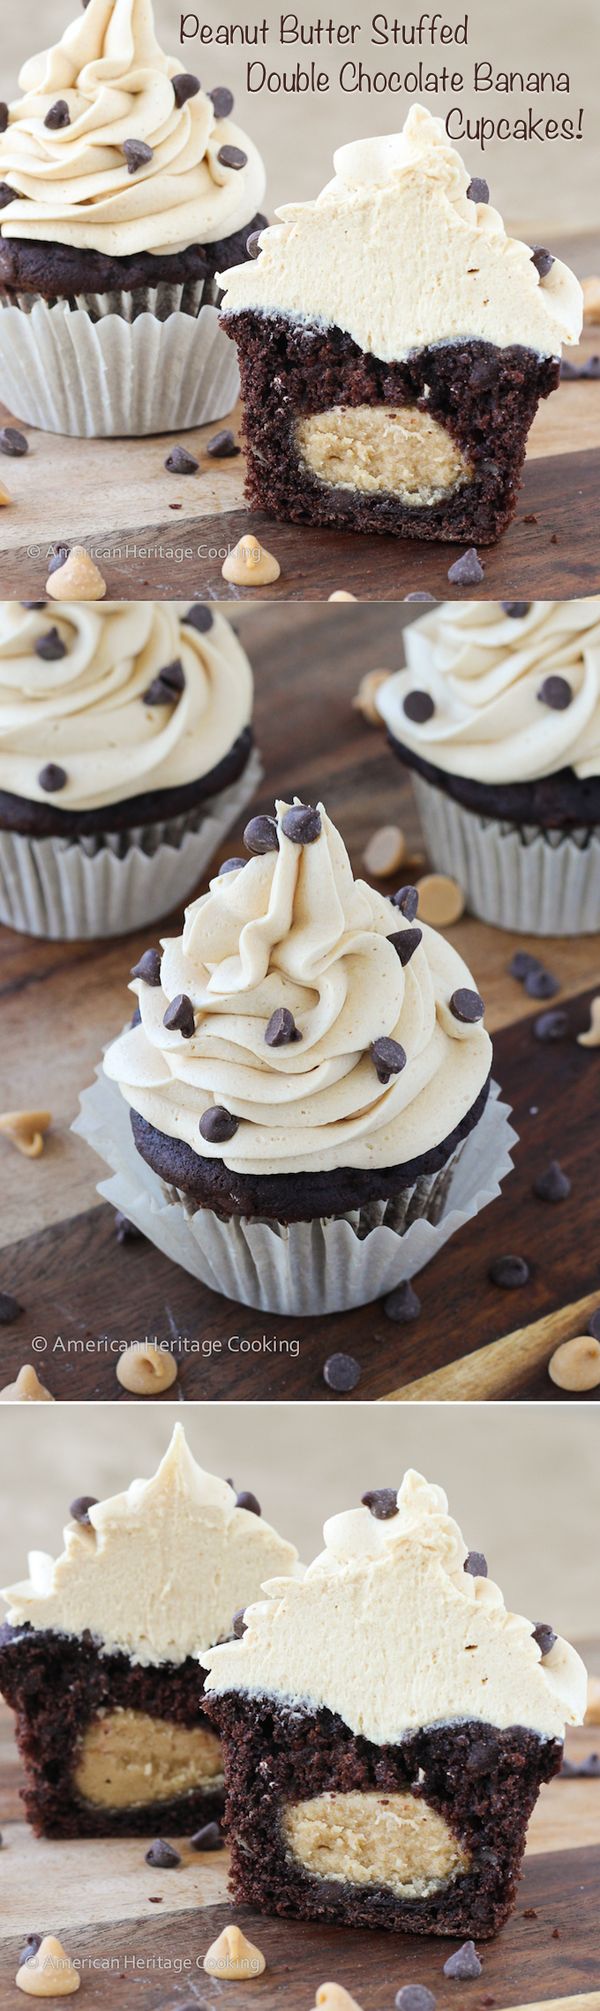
497,714
125,756
124,189
309,1075
387,1726
394,344
101,1657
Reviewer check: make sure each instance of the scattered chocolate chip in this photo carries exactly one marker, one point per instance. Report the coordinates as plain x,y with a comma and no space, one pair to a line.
14,443
551,1025
388,1058
414,1997
208,1838
261,835
3,116
419,597
281,1028
465,1964
341,1373
179,462
126,1231
253,244
555,692
136,1017
231,866
249,1501
475,1564
223,446
407,900
544,1636
594,1325
50,647
542,260
467,571
238,1624
33,604
591,1766
232,157
162,1855
222,104
478,190
405,942
80,1508
521,964
148,967
509,1272
30,1947
9,1309
302,824
179,1016
58,116
199,617
466,1006
402,1304
382,1502
51,778
59,557
553,1185
419,706
185,86
516,609
167,687
590,368
7,195
137,154
217,1125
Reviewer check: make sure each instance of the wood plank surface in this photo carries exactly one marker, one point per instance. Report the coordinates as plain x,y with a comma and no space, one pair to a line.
61,1003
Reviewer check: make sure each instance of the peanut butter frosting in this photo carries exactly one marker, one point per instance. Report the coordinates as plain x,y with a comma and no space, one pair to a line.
512,693
395,253
292,933
390,1629
73,180
160,1571
81,689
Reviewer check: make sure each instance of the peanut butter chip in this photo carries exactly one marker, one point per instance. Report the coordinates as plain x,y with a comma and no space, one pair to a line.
25,1129
592,1714
591,299
576,1364
365,696
27,1390
592,1037
249,565
441,900
78,580
5,496
333,1997
146,1370
48,1973
232,1958
341,595
385,851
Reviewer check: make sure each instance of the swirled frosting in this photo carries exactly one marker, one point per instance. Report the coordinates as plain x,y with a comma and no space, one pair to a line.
487,672
160,1571
394,252
72,181
85,711
389,1630
292,928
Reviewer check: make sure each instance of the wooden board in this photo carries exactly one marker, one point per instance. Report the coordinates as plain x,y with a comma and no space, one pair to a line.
61,1003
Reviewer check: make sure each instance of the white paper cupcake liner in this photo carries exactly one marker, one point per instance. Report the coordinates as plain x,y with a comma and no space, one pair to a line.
69,888
66,372
540,883
308,1268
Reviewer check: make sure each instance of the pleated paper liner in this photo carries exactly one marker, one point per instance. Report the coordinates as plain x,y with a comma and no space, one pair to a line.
96,374
540,883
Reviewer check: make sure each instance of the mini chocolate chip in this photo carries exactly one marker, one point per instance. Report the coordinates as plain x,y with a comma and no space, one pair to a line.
302,824
467,571
223,446
232,866
59,557
402,1304
249,1501
148,967
542,260
551,1025
407,900
185,86
137,154
521,964
14,443
466,1006
253,244
136,1017
419,597
388,1058
232,157
475,1564
3,116
591,1766
382,1502
167,687
238,1624
516,609
199,617
341,1373
419,706
509,1272
52,778
179,1016
405,943
478,190
217,1125
50,647
208,1838
162,1855
261,835
58,116
541,984
465,1964
414,1997
179,462
9,1309
80,1508
222,104
126,1231
590,368
555,692
553,1185
281,1028
544,1636
593,1326
7,195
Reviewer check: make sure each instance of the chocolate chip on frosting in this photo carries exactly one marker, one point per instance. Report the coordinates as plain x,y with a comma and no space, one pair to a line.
232,866
382,1502
544,1636
50,647
185,86
52,778
232,157
137,154
180,462
167,687
249,1501
222,104
467,571
253,244
261,835
302,824
148,967
516,609
3,116
217,1125
556,692
405,942
478,190
418,706
475,1564
388,1058
80,1508
238,1624
58,116
466,1006
407,900
179,1016
199,617
542,260
7,195
281,1028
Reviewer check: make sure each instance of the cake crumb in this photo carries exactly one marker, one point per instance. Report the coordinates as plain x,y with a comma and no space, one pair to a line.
575,1365
145,1370
250,564
48,1973
385,851
232,1958
25,1129
592,1713
365,697
441,900
591,299
27,1389
79,579
591,1037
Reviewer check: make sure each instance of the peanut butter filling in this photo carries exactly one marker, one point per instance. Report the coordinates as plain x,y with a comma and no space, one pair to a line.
128,1758
373,1839
382,450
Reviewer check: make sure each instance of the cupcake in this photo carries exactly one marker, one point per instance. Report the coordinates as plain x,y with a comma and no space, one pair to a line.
124,187
308,1069
387,1726
125,756
101,1657
394,344
497,714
